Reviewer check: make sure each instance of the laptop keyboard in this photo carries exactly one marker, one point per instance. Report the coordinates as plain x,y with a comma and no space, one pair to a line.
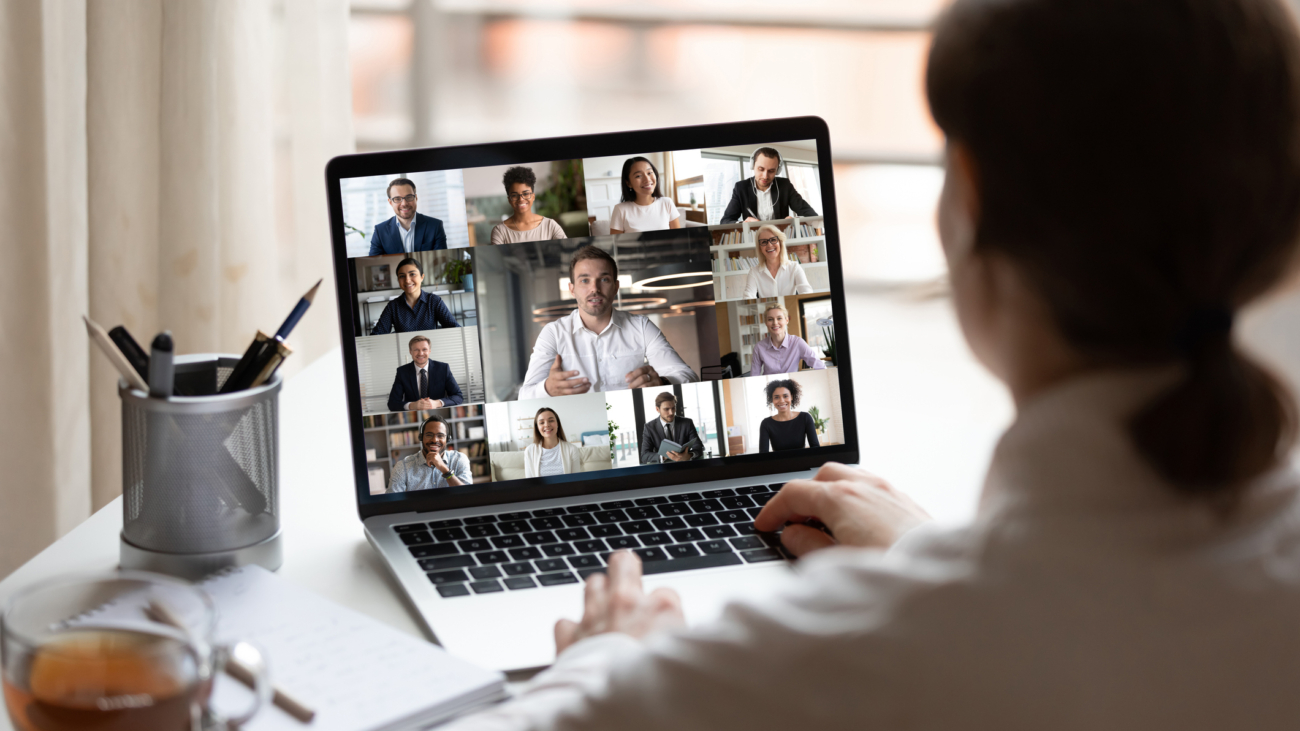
558,546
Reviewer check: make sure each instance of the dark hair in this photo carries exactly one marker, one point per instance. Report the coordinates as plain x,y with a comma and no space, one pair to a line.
398,181
1139,162
766,152
537,433
433,418
629,195
790,385
591,252
519,174
662,397
409,260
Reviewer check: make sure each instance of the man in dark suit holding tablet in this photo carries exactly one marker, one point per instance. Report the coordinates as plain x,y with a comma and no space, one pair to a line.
668,425
423,383
407,231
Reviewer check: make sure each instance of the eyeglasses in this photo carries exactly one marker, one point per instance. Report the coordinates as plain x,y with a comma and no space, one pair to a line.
768,242
398,199
520,196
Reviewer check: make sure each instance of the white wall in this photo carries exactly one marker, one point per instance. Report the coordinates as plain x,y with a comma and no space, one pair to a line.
510,423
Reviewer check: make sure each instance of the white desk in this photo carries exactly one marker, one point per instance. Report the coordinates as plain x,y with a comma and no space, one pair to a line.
927,415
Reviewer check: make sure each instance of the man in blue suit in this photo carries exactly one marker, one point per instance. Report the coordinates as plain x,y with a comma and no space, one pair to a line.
407,231
423,383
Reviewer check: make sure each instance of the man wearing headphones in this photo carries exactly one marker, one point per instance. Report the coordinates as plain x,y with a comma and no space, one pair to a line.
765,197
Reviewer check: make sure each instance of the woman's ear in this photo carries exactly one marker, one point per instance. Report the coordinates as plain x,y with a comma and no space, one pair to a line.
959,203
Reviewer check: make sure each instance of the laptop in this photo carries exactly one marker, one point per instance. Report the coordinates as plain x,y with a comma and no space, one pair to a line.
558,348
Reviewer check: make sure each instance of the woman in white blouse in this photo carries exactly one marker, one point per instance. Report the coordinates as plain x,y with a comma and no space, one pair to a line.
643,207
550,453
1135,559
775,275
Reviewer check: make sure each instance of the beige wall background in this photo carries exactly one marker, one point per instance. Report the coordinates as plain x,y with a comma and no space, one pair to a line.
161,167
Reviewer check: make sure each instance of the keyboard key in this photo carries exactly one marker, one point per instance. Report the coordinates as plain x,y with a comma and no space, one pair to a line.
481,531
637,526
765,554
486,587
481,519
669,523
516,526
448,577
557,579
588,508
751,489
675,509
776,487
605,531
724,492
687,536
684,497
578,520
546,523
680,550
616,505
528,553
491,557
715,547
585,562
474,544
429,550
651,554
654,500
699,520
451,590
762,498
447,562
736,502
521,582
611,516
747,543
537,539
642,513
515,516
545,512
409,527
449,534
415,538
518,569
655,539
719,531
552,564
772,540
558,549
618,542
485,572
688,564
733,516
507,541
594,546
705,506
572,534
584,573
753,512
449,523
744,529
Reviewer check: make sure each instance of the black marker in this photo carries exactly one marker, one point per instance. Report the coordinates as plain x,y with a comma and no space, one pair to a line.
162,373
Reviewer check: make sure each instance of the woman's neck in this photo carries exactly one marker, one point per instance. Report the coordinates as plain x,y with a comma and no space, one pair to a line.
644,199
774,265
550,442
523,219
788,415
411,299
775,339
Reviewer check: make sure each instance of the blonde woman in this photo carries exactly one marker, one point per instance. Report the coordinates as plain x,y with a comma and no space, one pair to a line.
550,453
775,275
779,351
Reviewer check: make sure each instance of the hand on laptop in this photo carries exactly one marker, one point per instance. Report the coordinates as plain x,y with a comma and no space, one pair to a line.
560,382
858,507
619,604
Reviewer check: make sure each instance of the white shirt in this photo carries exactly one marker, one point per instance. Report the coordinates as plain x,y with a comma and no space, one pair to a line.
632,216
551,462
766,209
1086,595
604,358
790,279
408,235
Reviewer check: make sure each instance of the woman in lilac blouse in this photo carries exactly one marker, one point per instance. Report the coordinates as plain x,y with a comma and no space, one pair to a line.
780,352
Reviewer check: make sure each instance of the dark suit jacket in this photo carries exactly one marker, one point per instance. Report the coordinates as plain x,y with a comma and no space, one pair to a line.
442,385
744,201
387,238
652,435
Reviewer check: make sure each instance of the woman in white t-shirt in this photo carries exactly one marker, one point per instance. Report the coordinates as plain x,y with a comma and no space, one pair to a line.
643,208
775,275
550,453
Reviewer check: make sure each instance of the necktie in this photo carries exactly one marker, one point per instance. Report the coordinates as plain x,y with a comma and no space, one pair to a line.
424,383
668,431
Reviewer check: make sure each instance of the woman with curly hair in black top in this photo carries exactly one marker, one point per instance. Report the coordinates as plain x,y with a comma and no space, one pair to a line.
787,428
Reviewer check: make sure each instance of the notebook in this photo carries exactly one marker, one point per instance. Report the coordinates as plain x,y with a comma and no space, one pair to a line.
356,673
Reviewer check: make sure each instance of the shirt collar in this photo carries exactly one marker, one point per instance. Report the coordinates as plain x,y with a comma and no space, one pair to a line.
424,298
425,367
617,319
405,230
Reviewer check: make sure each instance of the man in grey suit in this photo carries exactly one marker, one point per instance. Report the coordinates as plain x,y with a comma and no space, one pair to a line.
668,425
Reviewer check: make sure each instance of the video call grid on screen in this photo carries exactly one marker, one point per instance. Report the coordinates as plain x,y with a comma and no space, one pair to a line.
466,275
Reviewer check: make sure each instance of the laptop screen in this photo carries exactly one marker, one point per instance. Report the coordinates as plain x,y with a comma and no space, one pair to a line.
553,321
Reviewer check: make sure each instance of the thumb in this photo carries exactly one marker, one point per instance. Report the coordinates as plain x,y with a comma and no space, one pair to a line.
559,363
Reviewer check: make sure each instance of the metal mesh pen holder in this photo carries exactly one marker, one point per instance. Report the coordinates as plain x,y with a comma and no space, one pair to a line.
200,473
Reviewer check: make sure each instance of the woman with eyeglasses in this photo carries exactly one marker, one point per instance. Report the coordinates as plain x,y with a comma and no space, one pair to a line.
643,207
776,275
523,224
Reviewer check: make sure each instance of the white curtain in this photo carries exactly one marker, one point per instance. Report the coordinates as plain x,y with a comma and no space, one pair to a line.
162,167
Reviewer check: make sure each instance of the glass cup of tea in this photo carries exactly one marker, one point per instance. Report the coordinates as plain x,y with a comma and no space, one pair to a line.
128,650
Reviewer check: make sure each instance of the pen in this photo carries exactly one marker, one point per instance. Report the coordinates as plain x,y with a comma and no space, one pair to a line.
263,350
162,373
114,355
139,359
239,377
298,311
276,354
